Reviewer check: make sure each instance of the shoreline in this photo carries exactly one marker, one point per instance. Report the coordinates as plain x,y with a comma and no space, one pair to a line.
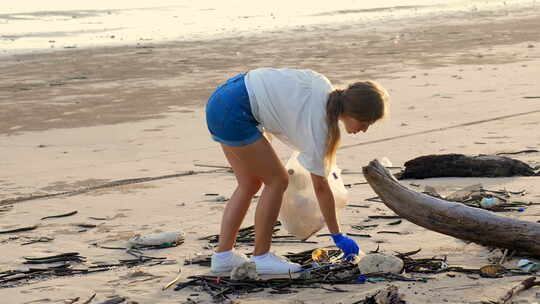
254,24
182,74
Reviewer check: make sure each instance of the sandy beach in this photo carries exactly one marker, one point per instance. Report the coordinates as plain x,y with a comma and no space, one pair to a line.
79,118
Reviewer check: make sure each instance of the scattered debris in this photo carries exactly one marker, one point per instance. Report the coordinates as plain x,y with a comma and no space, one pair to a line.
90,299
63,257
165,239
85,225
18,229
98,218
528,266
60,215
359,235
12,278
326,266
389,295
497,201
492,270
384,217
357,206
173,281
450,218
41,239
115,300
363,227
518,152
524,285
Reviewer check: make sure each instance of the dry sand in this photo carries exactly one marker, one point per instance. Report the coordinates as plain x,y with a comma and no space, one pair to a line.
78,118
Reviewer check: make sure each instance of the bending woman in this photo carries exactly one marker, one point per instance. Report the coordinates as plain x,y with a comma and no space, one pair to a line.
302,109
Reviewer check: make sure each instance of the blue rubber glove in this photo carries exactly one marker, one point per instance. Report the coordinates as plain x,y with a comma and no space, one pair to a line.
347,245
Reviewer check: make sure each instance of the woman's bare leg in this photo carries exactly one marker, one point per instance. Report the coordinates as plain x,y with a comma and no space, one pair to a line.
254,160
238,205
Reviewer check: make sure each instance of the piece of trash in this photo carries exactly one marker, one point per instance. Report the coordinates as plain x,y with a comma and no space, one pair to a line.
464,193
528,265
173,281
320,255
376,280
158,239
246,270
360,279
300,213
490,202
378,262
521,209
220,198
492,270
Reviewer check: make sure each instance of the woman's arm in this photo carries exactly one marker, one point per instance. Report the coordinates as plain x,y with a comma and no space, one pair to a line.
326,202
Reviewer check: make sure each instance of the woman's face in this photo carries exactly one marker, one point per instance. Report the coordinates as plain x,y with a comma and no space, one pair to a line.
354,126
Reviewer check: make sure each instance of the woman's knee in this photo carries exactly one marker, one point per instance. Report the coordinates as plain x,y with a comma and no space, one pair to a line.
250,187
278,181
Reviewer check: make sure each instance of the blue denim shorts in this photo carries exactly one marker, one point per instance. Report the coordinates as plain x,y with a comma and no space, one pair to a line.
228,114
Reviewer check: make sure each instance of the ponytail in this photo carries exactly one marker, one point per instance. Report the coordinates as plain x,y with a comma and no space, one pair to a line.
334,108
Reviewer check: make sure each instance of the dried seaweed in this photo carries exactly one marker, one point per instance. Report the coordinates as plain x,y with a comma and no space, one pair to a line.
334,272
60,215
22,229
12,278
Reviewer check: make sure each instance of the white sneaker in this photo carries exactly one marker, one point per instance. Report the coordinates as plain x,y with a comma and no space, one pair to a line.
274,264
227,264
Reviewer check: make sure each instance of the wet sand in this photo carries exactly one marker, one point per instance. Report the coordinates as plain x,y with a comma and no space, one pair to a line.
81,118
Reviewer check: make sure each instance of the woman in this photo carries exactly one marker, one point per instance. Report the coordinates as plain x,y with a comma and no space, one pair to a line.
302,109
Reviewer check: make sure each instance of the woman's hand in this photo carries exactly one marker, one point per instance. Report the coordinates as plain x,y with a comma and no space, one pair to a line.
347,245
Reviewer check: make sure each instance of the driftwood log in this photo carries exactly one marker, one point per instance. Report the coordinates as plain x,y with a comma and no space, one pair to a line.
459,165
450,218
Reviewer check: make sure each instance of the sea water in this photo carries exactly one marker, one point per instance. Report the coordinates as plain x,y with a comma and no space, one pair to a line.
32,25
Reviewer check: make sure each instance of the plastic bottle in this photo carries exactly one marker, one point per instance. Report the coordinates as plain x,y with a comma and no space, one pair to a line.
490,202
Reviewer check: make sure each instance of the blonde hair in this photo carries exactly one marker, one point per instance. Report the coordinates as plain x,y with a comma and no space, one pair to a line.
364,101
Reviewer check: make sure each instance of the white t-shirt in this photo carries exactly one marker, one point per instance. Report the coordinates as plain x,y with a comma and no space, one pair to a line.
291,105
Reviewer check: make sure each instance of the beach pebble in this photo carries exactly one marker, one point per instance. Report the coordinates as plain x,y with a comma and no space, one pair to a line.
246,270
378,262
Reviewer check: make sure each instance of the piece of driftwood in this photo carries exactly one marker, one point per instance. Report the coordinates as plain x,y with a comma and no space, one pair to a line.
459,165
451,218
524,285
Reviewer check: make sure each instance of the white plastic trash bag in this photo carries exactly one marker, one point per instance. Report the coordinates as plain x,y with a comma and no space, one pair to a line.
300,213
